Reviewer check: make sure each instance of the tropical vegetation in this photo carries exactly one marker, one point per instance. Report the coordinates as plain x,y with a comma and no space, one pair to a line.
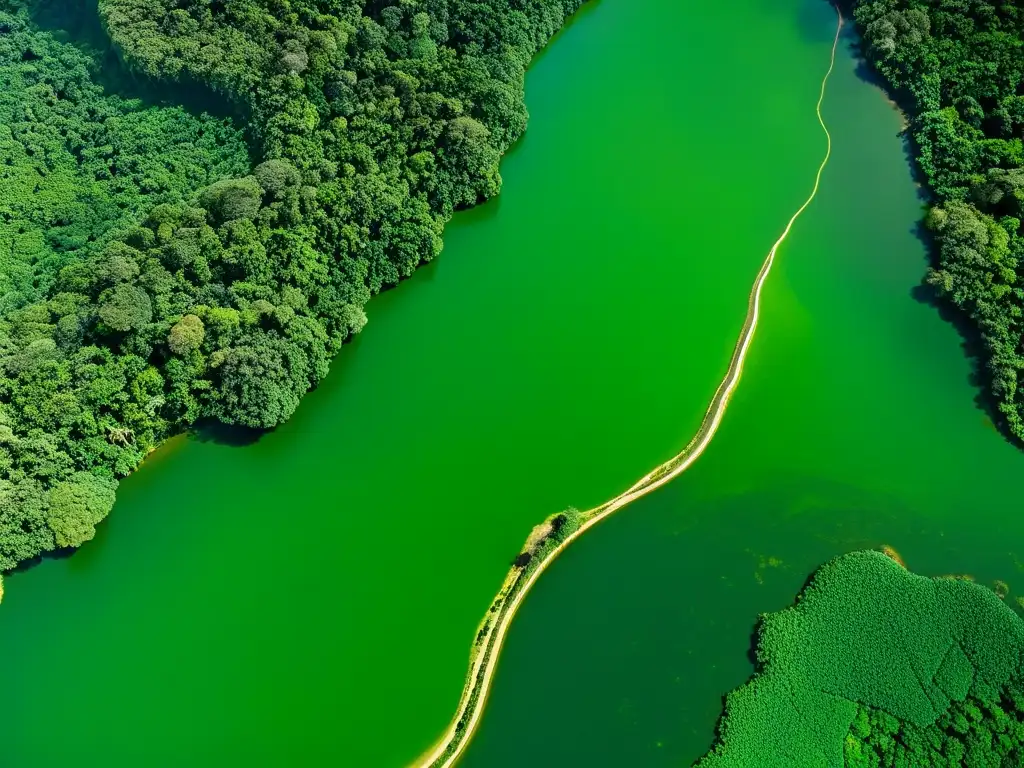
160,266
956,67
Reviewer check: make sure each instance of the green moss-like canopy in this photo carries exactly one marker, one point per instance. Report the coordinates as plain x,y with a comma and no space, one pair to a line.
869,641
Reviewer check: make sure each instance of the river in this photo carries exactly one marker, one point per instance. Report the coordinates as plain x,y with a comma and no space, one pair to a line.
310,598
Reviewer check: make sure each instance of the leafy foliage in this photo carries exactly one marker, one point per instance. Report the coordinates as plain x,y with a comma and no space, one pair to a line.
958,65
152,276
78,169
973,732
870,647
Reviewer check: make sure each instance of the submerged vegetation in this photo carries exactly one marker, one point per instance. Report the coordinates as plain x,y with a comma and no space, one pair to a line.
876,666
957,67
156,269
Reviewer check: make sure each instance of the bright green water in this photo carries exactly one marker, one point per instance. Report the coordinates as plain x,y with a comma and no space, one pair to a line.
853,427
310,599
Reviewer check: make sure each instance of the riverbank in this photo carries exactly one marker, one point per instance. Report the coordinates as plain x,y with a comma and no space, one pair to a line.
484,394
970,159
656,608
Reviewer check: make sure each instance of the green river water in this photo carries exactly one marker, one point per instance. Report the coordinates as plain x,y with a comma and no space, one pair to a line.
309,599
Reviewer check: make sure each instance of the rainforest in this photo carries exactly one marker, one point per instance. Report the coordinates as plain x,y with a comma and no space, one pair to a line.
780,236
159,271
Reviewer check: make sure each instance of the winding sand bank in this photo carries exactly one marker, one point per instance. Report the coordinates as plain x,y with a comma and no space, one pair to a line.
520,579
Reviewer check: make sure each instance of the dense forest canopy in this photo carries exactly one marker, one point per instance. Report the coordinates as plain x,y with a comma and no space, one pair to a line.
875,666
957,66
156,269
159,266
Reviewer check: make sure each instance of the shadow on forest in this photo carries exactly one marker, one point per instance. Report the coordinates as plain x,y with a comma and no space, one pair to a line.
79,23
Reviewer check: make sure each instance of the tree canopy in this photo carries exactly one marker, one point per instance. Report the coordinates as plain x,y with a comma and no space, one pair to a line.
957,67
159,266
876,666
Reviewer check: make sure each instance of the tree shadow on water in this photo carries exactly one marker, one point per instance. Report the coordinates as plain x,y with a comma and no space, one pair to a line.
233,435
755,637
971,341
973,346
815,20
27,565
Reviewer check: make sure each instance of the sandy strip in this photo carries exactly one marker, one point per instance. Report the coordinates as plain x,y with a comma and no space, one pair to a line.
478,681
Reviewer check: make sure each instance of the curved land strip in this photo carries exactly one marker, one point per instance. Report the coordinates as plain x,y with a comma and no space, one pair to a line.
552,537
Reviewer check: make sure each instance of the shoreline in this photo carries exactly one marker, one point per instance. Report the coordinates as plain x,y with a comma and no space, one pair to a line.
492,630
904,120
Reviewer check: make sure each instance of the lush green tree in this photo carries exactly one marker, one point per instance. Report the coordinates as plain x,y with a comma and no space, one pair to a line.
956,67
261,383
79,293
77,505
152,275
125,307
231,199
186,335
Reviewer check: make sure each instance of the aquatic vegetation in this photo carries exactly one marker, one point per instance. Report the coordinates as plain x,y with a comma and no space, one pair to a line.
764,563
875,665
956,577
